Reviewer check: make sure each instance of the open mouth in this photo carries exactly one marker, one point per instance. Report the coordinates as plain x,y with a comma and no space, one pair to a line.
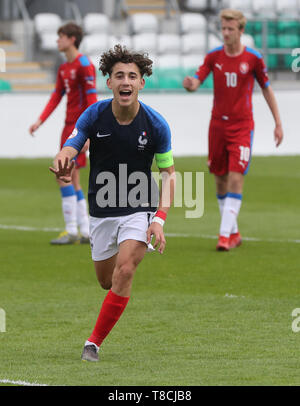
125,93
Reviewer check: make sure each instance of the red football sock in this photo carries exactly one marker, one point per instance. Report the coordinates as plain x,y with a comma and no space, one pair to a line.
111,310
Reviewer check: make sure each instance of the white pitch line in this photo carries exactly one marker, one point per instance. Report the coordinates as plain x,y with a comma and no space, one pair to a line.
21,383
181,235
26,228
213,237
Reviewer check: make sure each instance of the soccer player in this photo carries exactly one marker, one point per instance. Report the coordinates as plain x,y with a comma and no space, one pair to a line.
76,78
125,134
234,68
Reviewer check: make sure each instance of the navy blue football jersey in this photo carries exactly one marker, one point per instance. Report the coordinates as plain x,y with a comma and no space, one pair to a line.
120,180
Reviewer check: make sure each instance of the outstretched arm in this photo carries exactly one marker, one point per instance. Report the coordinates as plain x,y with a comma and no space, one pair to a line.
271,101
64,164
191,83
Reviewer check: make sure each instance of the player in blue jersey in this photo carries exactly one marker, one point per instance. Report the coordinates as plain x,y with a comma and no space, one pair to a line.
125,207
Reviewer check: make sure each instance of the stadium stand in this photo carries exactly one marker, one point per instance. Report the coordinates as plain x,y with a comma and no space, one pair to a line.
192,22
46,25
96,23
244,5
175,33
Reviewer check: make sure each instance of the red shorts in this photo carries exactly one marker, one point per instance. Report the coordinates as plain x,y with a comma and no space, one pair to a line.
230,146
80,160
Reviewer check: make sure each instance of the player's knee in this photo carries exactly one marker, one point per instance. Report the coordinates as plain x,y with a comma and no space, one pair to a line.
125,271
105,283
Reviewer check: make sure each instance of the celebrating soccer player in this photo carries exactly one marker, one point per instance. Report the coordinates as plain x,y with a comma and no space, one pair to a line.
124,134
234,68
76,78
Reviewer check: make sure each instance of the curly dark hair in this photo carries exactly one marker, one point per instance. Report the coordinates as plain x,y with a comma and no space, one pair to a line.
122,54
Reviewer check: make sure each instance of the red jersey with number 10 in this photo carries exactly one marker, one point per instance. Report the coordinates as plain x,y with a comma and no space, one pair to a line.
233,81
77,80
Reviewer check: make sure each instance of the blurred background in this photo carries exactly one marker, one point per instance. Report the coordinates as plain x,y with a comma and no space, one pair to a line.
176,34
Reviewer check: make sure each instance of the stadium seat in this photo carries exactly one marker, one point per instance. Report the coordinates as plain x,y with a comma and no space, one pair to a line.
288,27
194,43
191,22
5,86
146,42
124,40
142,22
169,61
168,44
245,6
272,61
46,26
253,27
248,40
197,5
151,82
169,72
191,63
287,8
96,23
214,42
263,8
271,41
95,60
288,60
94,44
288,41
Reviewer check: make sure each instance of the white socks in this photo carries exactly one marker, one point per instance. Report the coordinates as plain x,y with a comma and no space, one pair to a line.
82,214
229,206
74,209
69,202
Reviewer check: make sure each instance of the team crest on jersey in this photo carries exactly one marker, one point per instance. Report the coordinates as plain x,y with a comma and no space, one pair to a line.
74,133
142,141
244,68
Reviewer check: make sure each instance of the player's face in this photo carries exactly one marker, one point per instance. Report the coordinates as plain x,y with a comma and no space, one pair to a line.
231,32
64,42
125,81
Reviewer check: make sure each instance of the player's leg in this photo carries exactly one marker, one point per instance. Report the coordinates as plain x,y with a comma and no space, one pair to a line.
68,202
218,165
115,273
221,190
239,148
120,279
81,206
231,209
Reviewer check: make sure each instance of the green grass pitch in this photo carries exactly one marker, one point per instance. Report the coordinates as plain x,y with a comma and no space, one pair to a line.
196,316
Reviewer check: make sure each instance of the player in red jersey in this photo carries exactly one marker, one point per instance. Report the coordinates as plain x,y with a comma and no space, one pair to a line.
234,68
76,79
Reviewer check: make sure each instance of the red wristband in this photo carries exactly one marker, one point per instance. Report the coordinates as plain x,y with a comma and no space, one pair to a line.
161,214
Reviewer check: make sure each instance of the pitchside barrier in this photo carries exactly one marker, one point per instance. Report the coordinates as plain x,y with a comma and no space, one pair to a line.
188,115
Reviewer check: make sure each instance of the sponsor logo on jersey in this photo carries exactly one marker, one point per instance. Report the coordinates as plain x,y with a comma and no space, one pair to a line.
244,68
102,135
219,66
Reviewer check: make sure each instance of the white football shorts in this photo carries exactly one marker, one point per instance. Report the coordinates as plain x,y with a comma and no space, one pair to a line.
106,234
